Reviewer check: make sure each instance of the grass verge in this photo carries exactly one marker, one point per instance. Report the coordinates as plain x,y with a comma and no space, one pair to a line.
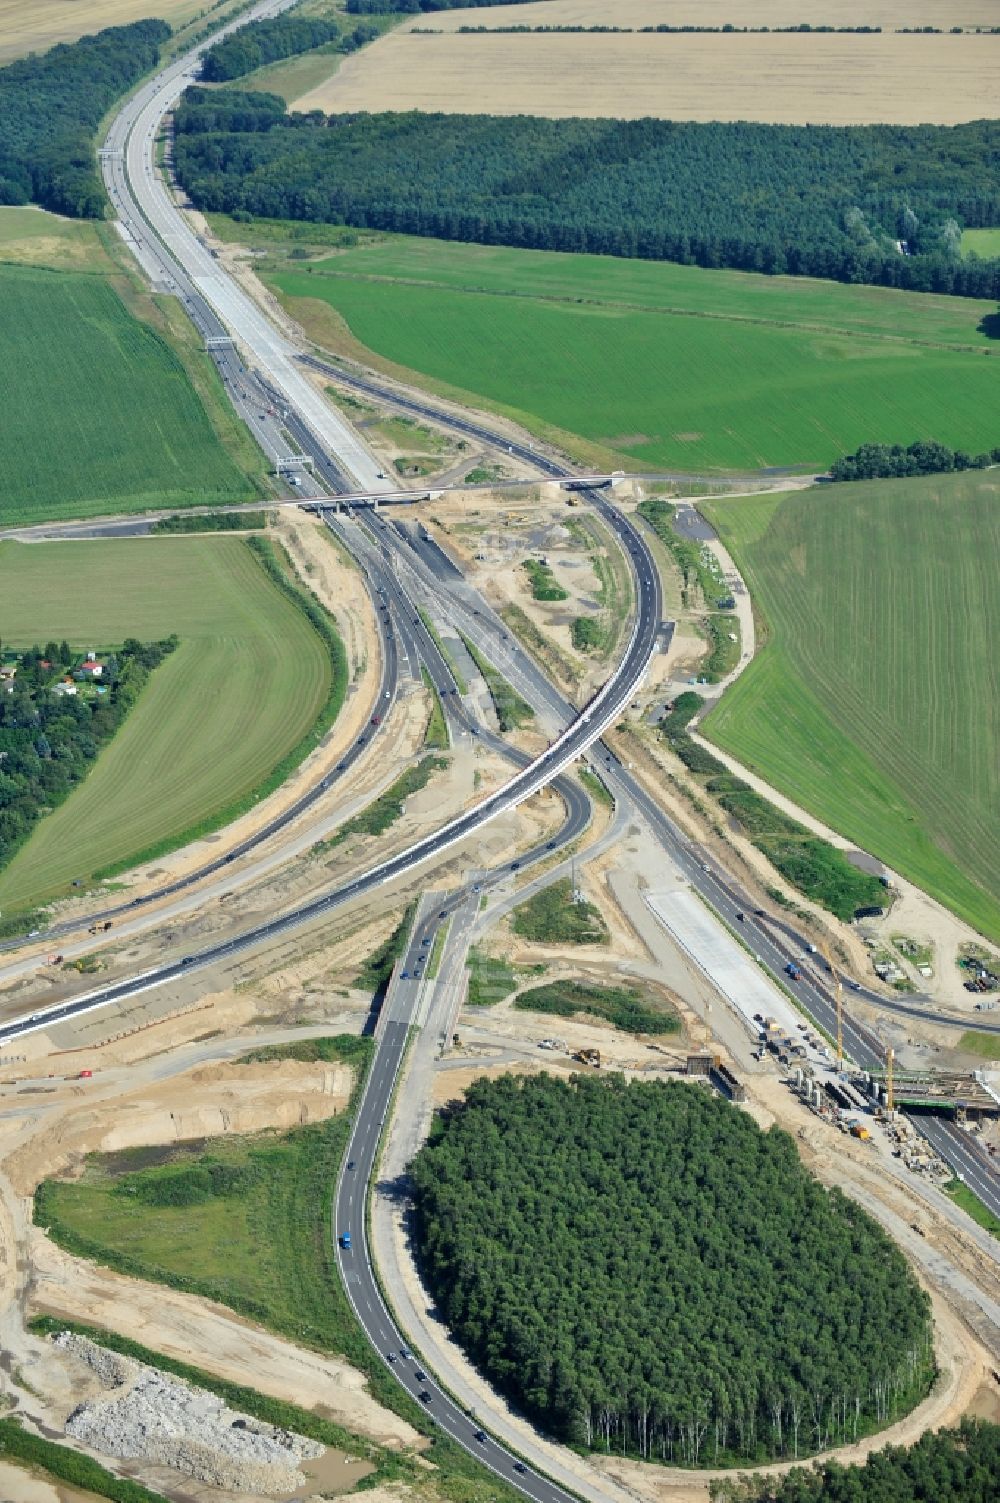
973,1206
435,636
512,711
986,1045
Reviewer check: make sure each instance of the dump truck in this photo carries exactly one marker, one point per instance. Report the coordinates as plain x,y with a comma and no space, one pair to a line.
792,970
589,1057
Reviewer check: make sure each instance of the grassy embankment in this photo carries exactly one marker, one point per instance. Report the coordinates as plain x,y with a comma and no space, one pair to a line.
874,703
552,917
383,812
602,349
247,1223
82,365
623,1007
248,652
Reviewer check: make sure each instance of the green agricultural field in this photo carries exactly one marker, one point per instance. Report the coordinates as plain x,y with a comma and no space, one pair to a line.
637,358
876,701
99,414
243,688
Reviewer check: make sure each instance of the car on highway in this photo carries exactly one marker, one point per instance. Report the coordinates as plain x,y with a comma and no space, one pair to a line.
420,1375
405,1353
350,1163
480,1436
520,1468
390,1356
345,1241
425,1395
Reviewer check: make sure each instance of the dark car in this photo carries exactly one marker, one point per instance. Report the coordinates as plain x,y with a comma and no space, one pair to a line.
740,914
519,1466
480,1436
425,1395
420,1375
350,1163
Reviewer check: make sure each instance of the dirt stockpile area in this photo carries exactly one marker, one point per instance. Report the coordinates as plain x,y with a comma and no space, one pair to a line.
208,1102
816,78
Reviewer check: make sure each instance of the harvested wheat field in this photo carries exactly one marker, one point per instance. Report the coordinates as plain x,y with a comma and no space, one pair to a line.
888,14
35,25
800,79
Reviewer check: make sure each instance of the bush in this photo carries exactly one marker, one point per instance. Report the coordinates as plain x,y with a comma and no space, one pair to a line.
586,633
544,585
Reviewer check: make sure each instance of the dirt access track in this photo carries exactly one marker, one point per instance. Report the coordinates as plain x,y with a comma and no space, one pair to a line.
183,1086
819,79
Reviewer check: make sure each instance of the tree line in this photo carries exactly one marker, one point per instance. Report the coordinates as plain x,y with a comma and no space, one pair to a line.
269,41
48,741
827,201
51,106
414,7
642,1269
892,461
949,1466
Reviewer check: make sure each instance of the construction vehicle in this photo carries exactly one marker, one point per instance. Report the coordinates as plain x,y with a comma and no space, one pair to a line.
792,970
589,1057
859,1130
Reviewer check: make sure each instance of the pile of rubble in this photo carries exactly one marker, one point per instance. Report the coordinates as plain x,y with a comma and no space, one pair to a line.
147,1415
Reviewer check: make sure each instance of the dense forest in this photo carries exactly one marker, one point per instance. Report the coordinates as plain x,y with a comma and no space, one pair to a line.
269,41
811,200
950,1466
890,461
641,1268
51,106
49,740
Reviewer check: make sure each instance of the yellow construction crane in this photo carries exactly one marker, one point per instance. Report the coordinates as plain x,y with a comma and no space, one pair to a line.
838,985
